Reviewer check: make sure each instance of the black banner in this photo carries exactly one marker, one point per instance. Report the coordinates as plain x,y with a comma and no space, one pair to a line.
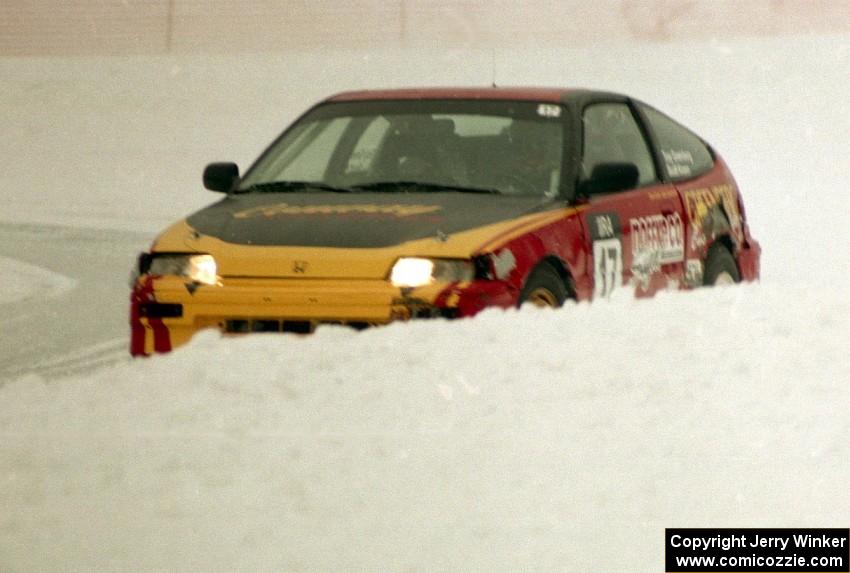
758,550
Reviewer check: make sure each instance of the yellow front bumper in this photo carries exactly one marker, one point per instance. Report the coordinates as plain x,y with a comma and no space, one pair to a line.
251,300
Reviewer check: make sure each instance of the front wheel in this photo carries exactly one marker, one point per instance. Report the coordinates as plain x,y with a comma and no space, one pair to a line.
720,267
544,288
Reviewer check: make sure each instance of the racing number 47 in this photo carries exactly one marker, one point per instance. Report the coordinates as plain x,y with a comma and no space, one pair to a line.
608,266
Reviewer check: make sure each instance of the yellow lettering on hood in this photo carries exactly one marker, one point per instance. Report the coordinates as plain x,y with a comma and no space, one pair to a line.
287,209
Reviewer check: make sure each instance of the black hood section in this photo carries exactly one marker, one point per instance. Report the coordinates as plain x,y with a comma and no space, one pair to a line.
356,220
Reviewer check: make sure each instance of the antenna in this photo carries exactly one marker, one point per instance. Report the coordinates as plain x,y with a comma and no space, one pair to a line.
493,65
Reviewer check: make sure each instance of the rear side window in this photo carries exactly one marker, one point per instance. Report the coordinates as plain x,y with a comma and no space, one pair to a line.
611,135
683,153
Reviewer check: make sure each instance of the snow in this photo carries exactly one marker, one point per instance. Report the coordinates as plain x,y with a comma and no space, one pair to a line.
24,282
547,440
567,440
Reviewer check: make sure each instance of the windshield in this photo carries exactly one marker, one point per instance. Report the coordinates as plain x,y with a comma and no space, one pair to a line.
505,147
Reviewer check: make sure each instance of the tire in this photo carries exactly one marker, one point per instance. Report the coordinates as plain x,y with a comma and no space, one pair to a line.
720,267
544,288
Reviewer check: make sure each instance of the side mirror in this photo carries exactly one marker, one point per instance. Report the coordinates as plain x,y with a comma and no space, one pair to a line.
221,176
610,177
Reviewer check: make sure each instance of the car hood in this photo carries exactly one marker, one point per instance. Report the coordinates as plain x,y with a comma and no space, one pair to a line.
362,220
347,235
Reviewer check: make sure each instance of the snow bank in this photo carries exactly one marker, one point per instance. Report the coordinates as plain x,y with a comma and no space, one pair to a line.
546,440
23,281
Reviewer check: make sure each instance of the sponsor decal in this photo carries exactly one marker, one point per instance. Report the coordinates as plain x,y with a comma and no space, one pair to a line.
706,208
607,253
693,272
281,209
656,240
662,235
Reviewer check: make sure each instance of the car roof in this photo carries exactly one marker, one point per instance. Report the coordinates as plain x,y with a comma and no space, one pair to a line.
554,95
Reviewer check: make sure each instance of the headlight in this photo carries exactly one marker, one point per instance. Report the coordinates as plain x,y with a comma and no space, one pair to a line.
415,272
199,268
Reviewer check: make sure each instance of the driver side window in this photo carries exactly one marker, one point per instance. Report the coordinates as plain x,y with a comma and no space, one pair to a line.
612,135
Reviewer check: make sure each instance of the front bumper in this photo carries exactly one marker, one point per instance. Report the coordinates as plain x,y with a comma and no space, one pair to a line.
165,312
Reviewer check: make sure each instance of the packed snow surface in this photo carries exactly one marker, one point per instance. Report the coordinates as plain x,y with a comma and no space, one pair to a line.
23,281
519,440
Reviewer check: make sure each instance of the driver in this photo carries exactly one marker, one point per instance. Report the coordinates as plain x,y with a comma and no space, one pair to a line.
426,151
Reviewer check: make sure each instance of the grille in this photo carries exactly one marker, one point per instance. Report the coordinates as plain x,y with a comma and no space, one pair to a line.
268,325
238,325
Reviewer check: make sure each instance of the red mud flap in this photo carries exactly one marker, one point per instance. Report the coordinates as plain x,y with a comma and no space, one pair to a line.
749,259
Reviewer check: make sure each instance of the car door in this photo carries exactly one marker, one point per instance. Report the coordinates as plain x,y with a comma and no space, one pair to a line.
633,221
711,205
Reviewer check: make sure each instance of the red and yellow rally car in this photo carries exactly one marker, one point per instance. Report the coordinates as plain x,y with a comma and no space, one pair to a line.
377,206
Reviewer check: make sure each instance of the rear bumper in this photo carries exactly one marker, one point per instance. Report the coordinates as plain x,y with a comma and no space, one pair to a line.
165,312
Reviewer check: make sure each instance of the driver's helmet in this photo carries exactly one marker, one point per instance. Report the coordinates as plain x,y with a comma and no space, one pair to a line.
423,148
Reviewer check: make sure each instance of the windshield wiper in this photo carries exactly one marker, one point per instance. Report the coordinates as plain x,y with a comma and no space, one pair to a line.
402,186
283,186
